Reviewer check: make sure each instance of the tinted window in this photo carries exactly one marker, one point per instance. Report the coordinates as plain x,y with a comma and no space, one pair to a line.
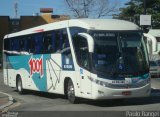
40,43
6,44
76,30
14,44
81,50
49,43
31,43
21,44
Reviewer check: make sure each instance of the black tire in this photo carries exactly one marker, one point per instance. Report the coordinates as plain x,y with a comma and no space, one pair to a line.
71,93
19,86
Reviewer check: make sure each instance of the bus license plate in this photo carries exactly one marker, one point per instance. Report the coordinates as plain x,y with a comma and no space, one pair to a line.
118,82
126,93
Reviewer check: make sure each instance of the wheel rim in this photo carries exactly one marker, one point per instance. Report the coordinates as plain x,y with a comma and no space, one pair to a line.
71,95
19,86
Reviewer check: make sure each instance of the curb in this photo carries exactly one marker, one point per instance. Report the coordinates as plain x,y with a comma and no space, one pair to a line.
10,101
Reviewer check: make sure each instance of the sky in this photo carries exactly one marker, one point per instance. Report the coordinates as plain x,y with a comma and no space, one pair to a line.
30,7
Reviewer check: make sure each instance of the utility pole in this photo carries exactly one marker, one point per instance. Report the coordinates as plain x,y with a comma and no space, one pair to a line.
145,27
144,3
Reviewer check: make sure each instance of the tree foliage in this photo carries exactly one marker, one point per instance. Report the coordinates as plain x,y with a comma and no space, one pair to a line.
92,8
134,8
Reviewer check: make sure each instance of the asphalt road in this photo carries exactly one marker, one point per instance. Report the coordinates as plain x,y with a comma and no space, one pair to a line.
36,101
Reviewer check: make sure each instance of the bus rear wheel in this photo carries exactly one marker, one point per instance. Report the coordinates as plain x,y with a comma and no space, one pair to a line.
71,92
19,86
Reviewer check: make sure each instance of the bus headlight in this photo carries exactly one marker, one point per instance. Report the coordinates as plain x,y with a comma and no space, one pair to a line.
98,82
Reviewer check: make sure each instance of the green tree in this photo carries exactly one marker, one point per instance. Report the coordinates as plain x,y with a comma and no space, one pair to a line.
134,8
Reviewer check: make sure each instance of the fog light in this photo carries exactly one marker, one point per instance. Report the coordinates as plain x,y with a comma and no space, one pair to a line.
100,92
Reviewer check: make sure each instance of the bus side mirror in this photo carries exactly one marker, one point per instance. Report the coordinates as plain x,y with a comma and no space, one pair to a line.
153,40
89,40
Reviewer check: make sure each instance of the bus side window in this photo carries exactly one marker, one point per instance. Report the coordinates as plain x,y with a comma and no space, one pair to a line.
38,43
7,44
65,45
21,44
48,43
81,50
53,39
31,44
62,42
11,44
65,41
17,45
57,40
14,44
25,45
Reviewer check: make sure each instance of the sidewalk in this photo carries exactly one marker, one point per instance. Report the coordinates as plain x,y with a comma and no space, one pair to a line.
5,100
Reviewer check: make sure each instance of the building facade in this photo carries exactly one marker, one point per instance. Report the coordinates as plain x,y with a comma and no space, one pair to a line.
46,16
11,25
4,29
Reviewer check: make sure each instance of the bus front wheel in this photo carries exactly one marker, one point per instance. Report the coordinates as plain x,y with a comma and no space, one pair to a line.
71,92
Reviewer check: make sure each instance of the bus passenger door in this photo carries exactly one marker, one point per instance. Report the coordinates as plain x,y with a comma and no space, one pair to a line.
84,73
82,57
85,83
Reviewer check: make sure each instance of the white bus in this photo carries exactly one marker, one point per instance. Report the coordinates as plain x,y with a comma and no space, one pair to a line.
151,44
81,58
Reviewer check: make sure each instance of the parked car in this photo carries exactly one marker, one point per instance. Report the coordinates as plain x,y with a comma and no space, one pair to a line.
155,68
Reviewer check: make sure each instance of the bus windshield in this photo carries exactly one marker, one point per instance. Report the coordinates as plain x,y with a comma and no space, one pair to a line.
120,53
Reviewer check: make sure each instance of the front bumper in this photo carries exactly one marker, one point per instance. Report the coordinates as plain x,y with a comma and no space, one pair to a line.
100,92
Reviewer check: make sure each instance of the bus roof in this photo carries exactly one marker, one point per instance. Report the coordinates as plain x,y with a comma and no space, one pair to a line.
93,24
104,24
